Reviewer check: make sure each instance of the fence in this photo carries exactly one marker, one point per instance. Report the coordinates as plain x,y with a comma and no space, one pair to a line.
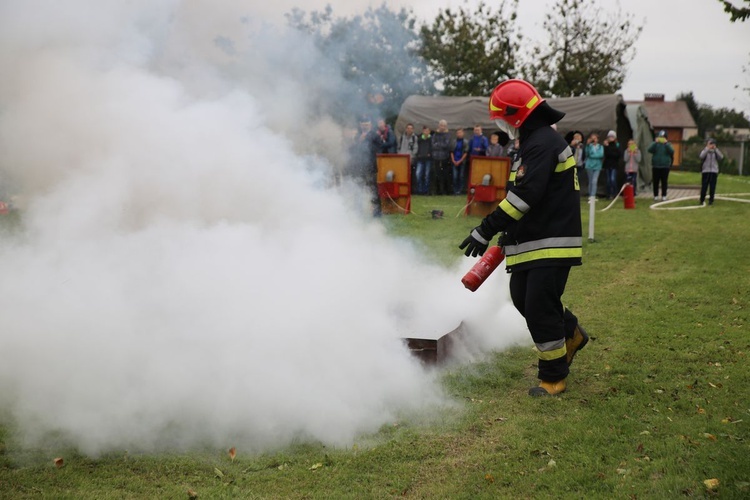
736,157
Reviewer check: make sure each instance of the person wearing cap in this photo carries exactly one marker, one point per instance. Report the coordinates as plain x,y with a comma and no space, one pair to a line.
611,162
539,223
662,155
710,157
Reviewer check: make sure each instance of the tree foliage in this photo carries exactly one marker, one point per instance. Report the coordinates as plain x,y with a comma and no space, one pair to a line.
588,50
377,53
736,13
472,50
708,118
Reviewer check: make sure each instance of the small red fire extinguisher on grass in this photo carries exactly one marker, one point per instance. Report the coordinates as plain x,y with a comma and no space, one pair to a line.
483,268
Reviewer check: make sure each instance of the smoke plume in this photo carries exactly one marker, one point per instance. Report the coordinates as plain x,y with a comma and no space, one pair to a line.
184,273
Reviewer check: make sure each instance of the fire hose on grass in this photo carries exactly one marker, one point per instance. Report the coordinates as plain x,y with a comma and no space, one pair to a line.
728,197
630,203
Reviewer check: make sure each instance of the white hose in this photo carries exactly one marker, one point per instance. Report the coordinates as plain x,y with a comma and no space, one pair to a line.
661,204
465,207
613,201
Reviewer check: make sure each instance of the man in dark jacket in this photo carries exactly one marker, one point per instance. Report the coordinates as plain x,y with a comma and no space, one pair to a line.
388,137
540,222
441,164
424,160
459,149
367,145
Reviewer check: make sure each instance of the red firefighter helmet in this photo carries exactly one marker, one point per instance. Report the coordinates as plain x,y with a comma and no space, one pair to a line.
513,101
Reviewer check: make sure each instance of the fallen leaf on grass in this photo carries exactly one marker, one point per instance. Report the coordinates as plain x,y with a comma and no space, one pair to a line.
192,494
316,466
709,436
711,484
218,472
59,462
489,478
232,453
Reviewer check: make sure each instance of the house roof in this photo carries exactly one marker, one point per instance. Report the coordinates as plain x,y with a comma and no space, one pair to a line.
668,114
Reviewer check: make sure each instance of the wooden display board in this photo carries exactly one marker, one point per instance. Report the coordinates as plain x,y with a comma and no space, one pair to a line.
394,189
483,199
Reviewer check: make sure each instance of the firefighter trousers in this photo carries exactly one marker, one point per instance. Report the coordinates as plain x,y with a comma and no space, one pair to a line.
537,294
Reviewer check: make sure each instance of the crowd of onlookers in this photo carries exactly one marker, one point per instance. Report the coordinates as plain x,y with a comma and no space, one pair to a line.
440,160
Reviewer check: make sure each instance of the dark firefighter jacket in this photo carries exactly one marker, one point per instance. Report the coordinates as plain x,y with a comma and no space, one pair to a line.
541,213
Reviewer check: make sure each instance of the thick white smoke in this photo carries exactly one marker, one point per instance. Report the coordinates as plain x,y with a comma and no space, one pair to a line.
183,274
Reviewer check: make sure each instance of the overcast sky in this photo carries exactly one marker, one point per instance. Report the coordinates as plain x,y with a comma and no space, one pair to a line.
686,45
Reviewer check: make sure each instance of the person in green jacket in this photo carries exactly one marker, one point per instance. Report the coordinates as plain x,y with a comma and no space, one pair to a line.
662,155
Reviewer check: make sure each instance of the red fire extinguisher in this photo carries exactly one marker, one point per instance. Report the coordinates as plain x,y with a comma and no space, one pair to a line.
483,268
627,196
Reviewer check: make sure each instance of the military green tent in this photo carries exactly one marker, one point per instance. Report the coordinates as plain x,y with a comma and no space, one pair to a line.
597,113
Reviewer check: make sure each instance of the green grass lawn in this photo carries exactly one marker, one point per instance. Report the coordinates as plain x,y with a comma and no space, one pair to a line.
657,403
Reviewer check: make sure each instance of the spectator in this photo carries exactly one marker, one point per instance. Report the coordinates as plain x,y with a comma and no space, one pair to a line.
513,150
710,157
388,137
441,164
478,143
367,145
575,140
611,162
424,160
632,159
459,152
495,148
594,158
407,145
661,160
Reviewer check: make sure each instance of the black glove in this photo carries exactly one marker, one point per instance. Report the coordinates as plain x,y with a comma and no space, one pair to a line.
475,244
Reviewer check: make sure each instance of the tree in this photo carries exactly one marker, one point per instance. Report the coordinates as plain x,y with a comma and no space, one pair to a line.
472,50
736,13
588,50
708,118
377,53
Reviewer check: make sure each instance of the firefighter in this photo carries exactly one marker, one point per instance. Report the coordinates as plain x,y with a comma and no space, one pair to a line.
539,223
